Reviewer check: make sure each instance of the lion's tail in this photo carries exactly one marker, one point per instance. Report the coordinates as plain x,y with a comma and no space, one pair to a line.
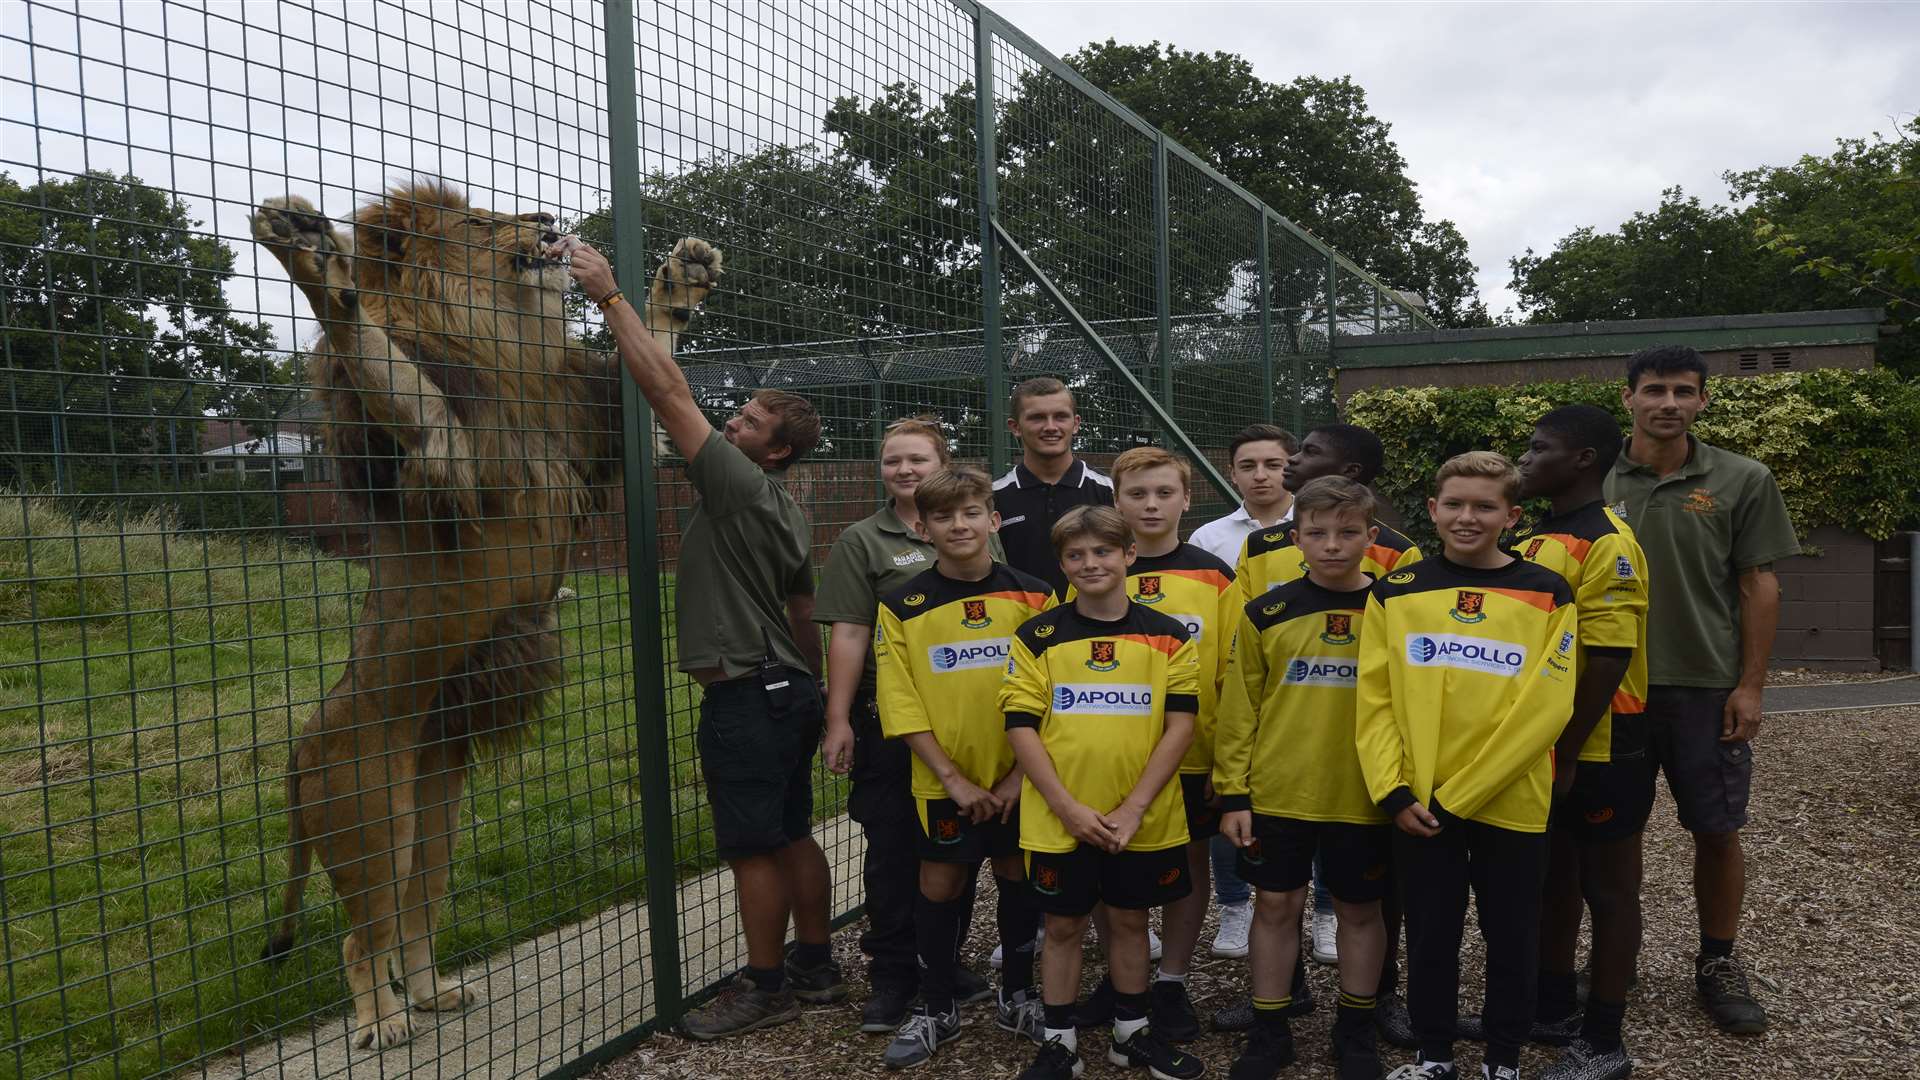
299,864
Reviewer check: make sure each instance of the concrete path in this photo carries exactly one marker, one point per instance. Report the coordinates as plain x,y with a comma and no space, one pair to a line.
1836,696
548,1000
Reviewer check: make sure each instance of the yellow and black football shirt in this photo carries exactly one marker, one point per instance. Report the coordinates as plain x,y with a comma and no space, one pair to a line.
1098,692
1600,558
1284,741
1466,680
940,650
1271,558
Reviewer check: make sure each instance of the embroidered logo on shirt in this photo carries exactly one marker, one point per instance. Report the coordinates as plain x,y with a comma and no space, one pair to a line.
1046,879
1623,568
1533,548
1339,629
908,558
973,614
1150,589
1043,631
915,600
1274,608
1400,578
1102,656
1619,509
1699,501
946,831
1468,605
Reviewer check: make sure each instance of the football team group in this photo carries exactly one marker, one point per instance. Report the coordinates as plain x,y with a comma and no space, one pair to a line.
1038,673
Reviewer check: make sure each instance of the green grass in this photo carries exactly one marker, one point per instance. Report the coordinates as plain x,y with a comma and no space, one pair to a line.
150,681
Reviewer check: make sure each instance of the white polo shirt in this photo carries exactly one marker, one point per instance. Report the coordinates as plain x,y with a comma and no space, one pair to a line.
1224,538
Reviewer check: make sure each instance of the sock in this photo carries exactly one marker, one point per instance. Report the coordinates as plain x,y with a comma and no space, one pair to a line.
1013,914
1126,1029
1711,947
936,926
1601,1027
1059,1025
808,955
1161,975
1557,998
770,980
1269,1010
1498,1059
1131,1006
1355,1012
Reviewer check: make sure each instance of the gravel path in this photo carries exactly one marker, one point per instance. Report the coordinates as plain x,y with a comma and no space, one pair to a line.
1830,937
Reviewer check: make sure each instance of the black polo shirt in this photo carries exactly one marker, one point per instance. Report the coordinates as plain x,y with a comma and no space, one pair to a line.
1028,508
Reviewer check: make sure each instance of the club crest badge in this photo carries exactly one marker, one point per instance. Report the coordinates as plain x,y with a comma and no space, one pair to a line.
1103,655
1469,606
946,830
1339,629
1149,589
973,614
1046,879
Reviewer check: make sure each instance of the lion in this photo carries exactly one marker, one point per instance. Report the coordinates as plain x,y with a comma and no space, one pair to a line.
472,433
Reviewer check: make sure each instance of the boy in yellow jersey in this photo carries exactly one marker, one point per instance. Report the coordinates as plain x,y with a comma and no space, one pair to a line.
1466,682
1290,782
1100,697
1603,777
941,643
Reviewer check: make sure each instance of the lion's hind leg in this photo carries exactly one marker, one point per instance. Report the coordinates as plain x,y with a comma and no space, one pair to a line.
443,774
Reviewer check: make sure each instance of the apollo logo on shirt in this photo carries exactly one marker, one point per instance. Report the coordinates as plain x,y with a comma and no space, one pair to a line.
966,655
1196,624
1502,658
1321,671
1106,699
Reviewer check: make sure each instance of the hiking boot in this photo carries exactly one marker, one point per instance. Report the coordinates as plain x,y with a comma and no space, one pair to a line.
1355,1055
1580,1061
1269,1049
1236,920
1725,995
1097,1010
738,1010
822,985
1173,1015
1425,1070
887,1009
969,988
1393,1023
1473,1028
1054,1062
920,1036
1023,1015
1161,1058
1326,937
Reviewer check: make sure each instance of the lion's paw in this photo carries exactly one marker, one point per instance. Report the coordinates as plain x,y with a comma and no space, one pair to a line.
304,241
683,282
451,995
389,1030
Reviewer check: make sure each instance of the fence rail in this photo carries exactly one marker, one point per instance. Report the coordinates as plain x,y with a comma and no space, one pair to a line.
918,205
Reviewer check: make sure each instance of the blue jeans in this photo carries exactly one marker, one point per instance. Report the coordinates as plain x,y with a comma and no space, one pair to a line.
1229,889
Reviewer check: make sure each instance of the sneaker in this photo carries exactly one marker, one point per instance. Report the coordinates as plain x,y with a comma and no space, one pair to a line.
1153,946
1173,1015
1239,1015
1269,1049
999,954
1302,992
1097,1010
1355,1055
1425,1070
738,1010
1054,1062
919,1037
887,1009
1725,995
1504,1072
1473,1028
822,985
969,987
1326,938
1023,1015
1162,1059
1580,1061
1393,1023
1235,921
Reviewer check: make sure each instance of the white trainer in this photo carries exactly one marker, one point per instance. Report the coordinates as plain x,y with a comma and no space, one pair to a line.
1235,921
1326,937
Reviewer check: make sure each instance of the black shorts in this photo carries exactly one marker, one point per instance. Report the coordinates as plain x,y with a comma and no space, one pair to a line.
946,836
1709,779
757,755
1356,861
1610,800
1203,821
1072,882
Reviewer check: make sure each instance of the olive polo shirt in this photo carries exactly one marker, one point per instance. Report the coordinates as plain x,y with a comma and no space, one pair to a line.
873,557
1720,515
745,550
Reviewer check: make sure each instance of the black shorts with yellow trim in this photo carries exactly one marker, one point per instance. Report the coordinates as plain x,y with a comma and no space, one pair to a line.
1357,860
946,836
1609,800
1072,882
1203,819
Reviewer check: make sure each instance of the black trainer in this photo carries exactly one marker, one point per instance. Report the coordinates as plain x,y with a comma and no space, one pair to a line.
1097,1010
1161,1058
1393,1023
1054,1062
1355,1054
887,1009
969,988
1725,995
1473,1028
1269,1049
1239,1015
1173,1014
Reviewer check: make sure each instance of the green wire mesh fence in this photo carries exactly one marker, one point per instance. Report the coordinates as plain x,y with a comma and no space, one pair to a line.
192,547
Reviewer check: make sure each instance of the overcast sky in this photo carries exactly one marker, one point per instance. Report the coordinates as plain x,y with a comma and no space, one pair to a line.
1523,122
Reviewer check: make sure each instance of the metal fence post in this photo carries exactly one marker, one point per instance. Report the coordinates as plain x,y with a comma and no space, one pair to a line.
1333,320
1163,267
643,562
1266,322
998,453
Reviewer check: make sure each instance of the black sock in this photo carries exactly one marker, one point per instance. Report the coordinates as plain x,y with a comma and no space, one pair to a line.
936,926
1711,947
1131,1006
1059,1017
1271,1013
770,980
1355,1012
1557,999
1601,1028
1495,1059
808,955
1013,913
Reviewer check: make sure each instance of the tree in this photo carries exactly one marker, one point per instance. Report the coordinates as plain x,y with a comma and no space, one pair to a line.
119,337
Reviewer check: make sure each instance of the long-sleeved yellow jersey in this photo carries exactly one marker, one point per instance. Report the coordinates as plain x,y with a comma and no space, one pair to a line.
1284,743
1597,554
1271,558
940,651
1466,680
1098,692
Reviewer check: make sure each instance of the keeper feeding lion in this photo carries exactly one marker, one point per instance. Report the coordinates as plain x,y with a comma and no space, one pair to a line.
472,433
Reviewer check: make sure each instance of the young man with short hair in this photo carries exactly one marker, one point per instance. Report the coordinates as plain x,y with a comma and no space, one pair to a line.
1712,523
1100,697
1290,783
1047,481
1465,684
941,643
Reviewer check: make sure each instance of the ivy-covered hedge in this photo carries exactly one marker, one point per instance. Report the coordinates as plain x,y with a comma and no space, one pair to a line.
1844,445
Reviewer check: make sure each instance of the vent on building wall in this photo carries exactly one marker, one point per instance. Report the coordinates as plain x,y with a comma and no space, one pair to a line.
1782,360
1749,361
